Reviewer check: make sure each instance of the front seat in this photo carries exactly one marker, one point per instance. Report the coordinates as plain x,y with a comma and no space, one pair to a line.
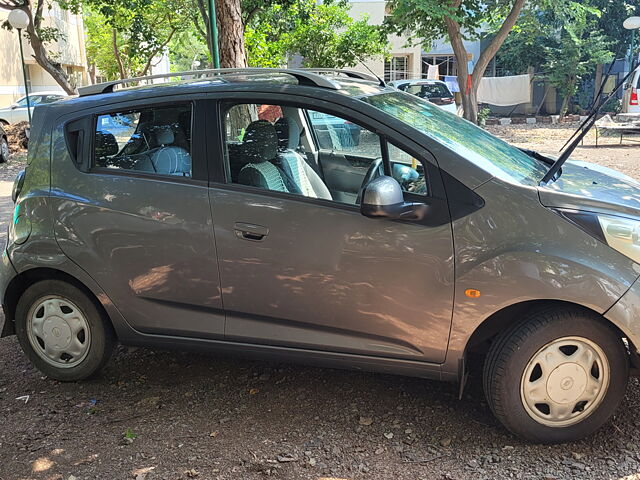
167,158
259,152
310,183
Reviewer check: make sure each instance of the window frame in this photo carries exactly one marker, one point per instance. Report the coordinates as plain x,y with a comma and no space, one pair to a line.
218,178
199,167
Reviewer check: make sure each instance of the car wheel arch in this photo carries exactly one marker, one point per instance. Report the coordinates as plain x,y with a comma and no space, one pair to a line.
25,279
507,316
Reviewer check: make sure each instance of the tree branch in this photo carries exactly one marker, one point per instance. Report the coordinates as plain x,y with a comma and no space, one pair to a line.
250,16
158,50
37,19
497,41
116,53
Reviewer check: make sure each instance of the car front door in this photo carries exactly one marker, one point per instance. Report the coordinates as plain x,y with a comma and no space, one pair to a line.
134,214
307,270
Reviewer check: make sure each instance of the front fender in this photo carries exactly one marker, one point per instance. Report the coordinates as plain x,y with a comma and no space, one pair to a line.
515,250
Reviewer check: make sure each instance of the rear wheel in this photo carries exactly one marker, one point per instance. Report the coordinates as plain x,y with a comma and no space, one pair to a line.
556,377
62,331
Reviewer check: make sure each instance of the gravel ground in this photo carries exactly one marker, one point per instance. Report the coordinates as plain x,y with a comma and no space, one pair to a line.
170,415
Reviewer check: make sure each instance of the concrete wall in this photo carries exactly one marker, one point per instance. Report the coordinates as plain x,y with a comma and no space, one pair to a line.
71,51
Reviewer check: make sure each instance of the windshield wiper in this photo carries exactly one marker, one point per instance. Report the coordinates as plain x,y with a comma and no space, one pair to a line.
585,126
537,156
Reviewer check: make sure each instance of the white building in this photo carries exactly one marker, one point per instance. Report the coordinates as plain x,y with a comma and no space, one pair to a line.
408,61
69,50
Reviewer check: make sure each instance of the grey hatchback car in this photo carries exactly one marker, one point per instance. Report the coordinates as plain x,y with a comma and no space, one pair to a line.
223,212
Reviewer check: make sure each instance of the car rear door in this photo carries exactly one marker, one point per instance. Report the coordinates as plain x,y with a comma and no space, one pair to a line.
136,220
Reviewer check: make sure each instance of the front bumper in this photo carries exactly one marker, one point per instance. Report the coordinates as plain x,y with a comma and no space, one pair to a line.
7,273
625,314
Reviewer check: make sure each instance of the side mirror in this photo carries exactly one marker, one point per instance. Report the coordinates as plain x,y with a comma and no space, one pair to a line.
383,198
14,106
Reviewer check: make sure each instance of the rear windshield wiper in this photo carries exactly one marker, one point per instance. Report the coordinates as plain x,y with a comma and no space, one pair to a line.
586,125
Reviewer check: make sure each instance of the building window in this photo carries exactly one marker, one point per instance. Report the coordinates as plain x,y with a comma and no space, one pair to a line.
396,68
447,64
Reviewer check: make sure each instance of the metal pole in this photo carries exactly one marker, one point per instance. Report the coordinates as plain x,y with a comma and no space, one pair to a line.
631,56
24,74
213,27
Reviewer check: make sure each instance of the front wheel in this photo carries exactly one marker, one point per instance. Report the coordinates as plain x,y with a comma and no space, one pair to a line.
556,377
62,331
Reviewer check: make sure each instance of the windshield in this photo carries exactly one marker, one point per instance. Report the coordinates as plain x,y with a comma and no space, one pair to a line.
471,142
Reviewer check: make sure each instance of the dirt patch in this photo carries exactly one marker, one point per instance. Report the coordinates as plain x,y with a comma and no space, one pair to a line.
174,415
17,137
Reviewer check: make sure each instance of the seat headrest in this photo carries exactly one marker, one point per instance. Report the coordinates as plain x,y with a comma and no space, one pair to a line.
106,144
288,133
260,142
164,136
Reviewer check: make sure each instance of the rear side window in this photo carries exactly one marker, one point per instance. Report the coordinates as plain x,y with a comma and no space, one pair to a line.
154,140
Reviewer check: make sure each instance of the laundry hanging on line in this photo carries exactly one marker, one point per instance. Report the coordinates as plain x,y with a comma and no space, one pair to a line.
499,91
433,72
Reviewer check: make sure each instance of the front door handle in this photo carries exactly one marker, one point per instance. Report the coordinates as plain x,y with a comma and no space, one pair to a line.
250,231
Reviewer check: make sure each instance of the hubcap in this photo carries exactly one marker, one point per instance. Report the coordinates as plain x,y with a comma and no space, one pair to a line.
565,381
58,331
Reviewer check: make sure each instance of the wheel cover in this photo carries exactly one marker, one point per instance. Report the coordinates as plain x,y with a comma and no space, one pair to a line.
58,331
4,149
565,381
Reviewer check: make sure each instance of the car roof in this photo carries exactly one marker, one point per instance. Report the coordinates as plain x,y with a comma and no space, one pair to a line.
417,81
47,92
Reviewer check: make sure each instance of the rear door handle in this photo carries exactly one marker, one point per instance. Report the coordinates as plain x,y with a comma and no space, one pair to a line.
250,231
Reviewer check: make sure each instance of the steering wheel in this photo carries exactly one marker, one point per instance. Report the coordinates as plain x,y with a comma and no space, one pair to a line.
375,170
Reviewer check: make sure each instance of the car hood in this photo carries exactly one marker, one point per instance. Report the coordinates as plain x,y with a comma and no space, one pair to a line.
590,187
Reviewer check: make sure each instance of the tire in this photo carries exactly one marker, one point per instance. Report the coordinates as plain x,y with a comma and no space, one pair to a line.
578,390
4,150
79,339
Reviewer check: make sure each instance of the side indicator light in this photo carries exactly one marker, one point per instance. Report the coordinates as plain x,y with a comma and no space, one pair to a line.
472,293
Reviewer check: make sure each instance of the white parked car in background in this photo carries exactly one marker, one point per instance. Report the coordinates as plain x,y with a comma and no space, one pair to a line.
435,91
17,112
630,100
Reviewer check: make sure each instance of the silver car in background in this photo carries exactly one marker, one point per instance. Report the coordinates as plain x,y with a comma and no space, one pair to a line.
17,112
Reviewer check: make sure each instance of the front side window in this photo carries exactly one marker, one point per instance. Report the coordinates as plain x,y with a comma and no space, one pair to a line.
153,140
310,153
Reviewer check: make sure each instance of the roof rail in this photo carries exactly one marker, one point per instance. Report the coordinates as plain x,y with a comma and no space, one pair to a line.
304,78
348,73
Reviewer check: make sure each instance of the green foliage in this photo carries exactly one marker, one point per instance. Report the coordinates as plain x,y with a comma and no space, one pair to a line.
188,51
424,20
142,30
323,34
562,39
614,12
331,38
483,114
